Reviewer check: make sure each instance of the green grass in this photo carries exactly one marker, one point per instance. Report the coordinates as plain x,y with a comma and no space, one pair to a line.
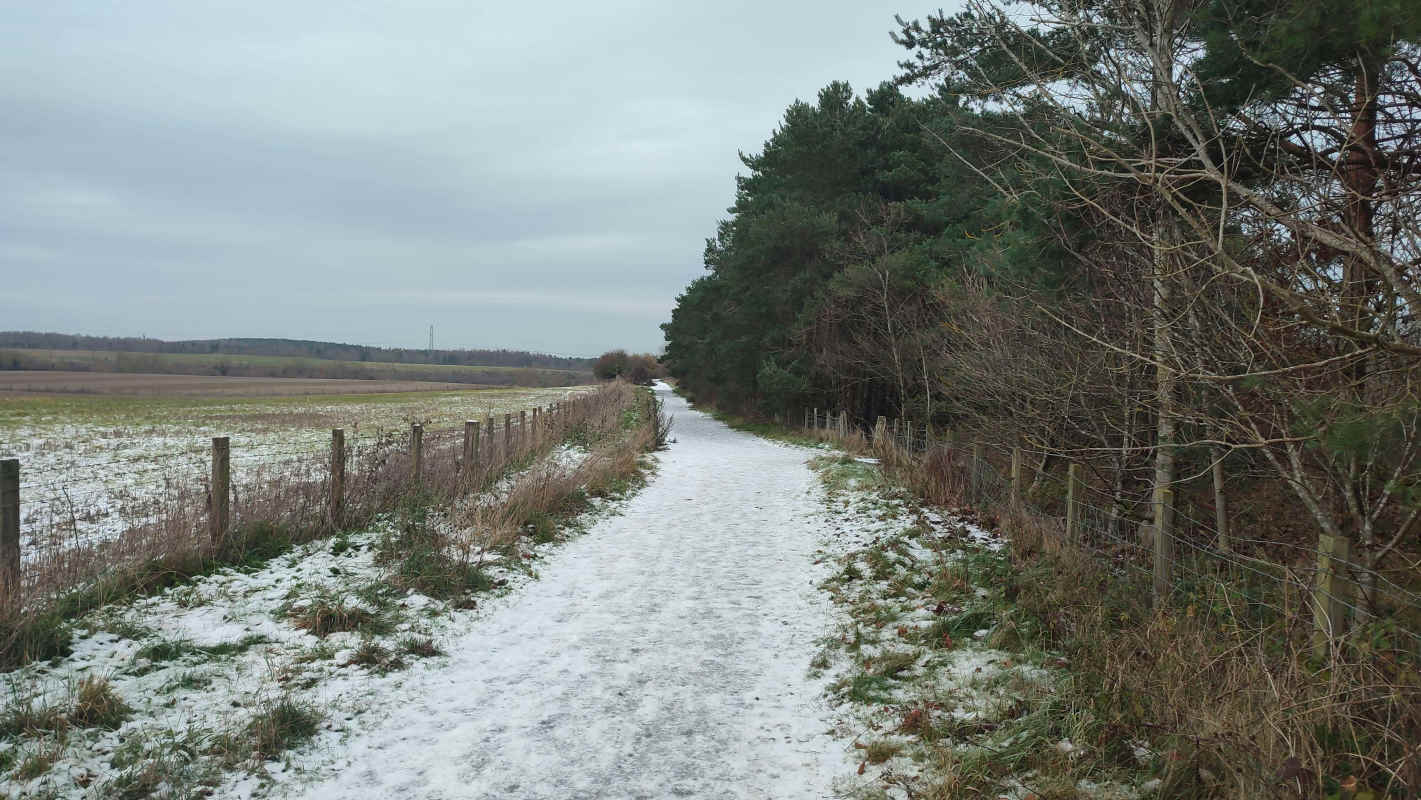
414,554
894,663
865,689
280,367
48,633
187,681
840,473
764,429
279,726
161,761
441,409
165,650
119,624
182,764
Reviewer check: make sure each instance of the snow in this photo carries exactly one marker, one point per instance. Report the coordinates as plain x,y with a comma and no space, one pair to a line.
200,695
662,654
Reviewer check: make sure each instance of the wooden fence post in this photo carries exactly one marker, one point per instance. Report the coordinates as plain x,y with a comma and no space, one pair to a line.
1073,518
219,517
523,430
1164,543
1332,593
10,533
508,436
896,424
537,432
908,436
977,470
1016,474
471,445
337,499
416,452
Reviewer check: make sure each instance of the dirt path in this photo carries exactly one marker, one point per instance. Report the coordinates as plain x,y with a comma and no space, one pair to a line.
662,654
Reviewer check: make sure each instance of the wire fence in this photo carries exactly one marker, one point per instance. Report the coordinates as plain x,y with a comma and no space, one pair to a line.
66,527
1186,557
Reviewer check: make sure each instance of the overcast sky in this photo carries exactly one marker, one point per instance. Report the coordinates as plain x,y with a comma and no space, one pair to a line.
535,176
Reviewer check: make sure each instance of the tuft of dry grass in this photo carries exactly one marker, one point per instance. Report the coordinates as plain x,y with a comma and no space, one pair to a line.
324,614
97,705
30,716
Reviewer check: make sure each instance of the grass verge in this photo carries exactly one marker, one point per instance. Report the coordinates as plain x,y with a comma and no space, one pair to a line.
1214,694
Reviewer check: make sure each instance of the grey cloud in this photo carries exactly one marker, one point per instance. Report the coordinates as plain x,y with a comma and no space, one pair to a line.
521,176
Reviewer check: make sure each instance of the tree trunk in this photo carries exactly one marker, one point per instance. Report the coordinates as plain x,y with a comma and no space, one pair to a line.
1360,175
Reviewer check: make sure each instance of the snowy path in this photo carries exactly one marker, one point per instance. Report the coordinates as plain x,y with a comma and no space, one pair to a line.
662,654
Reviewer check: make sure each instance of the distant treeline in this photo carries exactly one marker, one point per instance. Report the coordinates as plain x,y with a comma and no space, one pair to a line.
296,348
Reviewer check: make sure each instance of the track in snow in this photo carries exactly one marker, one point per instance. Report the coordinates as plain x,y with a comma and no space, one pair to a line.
662,654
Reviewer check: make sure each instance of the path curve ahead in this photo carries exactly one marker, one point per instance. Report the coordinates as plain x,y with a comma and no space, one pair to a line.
662,654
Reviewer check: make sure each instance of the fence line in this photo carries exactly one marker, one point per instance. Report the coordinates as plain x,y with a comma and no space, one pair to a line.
55,539
1331,584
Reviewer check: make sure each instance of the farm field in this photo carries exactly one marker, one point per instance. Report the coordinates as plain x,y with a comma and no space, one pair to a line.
216,364
93,464
149,385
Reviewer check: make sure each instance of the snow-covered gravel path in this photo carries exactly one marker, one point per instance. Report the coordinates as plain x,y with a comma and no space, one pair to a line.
662,654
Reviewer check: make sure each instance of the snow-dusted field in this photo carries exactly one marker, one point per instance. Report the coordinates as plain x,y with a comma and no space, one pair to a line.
93,465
